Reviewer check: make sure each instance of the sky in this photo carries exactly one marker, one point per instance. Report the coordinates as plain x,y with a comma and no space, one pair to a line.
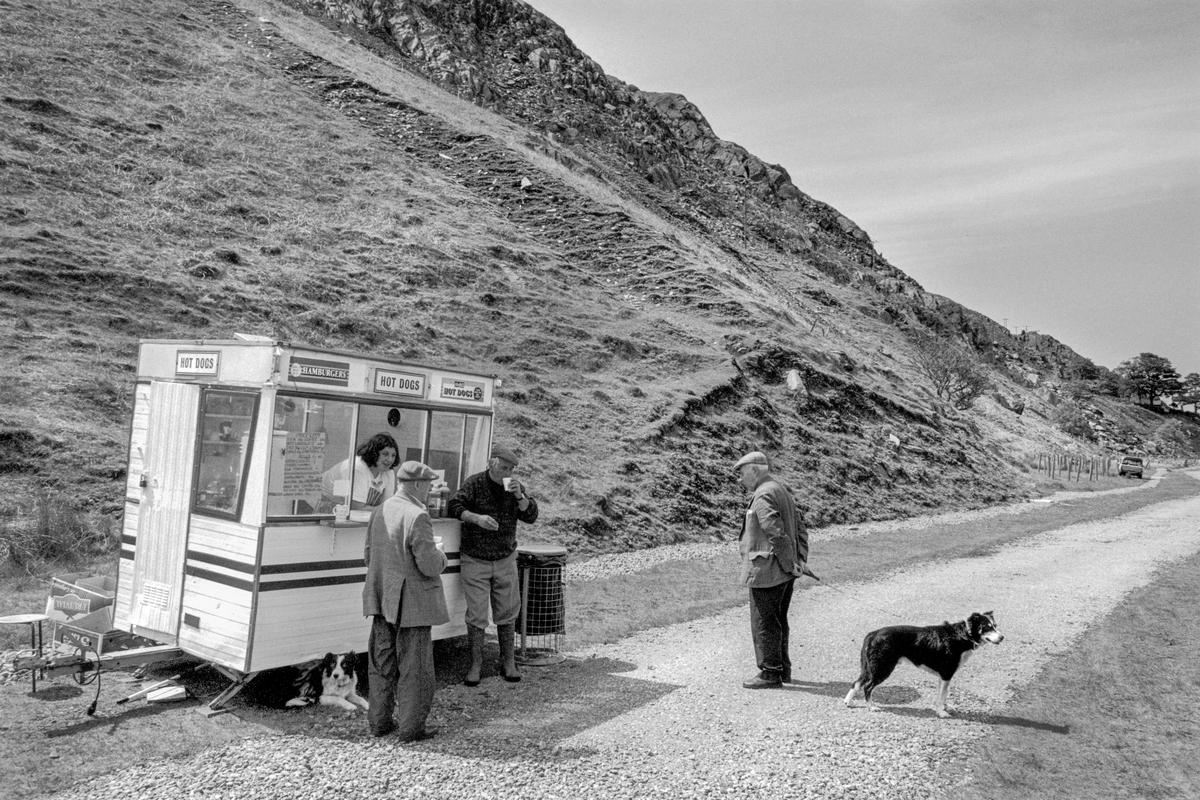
1038,162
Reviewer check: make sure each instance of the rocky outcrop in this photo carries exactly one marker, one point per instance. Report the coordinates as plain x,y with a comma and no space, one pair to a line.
505,55
1015,405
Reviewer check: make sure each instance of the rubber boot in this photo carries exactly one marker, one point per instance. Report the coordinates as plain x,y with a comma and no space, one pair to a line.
475,642
508,661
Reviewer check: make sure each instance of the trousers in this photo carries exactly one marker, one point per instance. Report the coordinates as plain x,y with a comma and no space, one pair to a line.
769,628
402,678
493,583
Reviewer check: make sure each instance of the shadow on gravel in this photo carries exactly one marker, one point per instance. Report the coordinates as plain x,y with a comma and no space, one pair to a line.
112,723
830,689
497,720
884,694
55,693
1015,722
530,719
898,699
985,719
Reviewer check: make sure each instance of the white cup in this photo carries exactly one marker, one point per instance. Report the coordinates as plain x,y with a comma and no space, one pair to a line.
341,512
508,483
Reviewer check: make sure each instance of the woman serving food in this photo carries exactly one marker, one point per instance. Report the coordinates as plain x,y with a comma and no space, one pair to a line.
369,474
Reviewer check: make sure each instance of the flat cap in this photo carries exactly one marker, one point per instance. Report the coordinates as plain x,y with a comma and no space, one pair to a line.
506,454
753,457
415,471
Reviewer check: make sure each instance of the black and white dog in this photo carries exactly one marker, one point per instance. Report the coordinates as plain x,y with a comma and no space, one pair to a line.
940,649
331,682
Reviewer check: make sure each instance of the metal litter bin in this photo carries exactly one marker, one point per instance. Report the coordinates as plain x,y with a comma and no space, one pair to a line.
541,622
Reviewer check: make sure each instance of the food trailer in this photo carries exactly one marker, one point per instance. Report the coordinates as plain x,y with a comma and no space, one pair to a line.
236,546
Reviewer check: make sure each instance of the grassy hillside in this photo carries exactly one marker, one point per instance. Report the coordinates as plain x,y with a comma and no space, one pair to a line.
195,169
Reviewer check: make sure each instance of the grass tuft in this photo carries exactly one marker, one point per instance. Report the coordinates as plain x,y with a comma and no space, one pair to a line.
51,531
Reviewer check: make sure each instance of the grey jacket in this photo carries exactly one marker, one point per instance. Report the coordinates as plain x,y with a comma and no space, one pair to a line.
774,541
404,566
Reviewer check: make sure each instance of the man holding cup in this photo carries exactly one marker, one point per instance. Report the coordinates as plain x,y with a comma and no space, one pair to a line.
403,597
489,504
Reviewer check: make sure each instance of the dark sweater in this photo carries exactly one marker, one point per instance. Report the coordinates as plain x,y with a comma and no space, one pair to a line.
481,495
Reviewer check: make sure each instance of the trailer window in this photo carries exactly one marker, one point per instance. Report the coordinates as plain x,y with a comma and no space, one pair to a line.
312,444
314,462
405,429
458,445
226,423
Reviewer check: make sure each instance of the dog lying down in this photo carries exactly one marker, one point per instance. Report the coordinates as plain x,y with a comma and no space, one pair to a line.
940,649
331,682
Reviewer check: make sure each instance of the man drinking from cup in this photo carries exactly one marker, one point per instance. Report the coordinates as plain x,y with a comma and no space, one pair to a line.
489,504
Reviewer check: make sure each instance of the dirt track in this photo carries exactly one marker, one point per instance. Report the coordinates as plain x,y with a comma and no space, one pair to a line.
1045,592
662,713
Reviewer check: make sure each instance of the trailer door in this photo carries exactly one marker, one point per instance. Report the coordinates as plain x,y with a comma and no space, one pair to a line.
157,576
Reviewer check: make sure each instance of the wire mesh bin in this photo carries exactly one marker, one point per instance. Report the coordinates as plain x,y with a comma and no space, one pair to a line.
541,623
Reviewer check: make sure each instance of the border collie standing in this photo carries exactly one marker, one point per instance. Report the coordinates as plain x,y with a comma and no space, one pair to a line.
331,683
940,649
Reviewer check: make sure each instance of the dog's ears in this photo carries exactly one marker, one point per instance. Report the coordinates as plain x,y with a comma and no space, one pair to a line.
352,657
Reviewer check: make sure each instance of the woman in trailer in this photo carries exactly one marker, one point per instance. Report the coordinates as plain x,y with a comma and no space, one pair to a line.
370,474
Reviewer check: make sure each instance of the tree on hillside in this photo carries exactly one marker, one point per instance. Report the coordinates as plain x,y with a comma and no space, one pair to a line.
1111,384
1190,394
952,371
1150,376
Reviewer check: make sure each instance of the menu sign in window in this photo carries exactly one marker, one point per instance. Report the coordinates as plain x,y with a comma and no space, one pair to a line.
303,458
390,381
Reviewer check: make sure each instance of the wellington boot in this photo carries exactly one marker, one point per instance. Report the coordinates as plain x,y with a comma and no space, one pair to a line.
475,643
508,661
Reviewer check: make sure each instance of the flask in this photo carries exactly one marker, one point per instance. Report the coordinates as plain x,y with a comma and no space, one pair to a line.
442,499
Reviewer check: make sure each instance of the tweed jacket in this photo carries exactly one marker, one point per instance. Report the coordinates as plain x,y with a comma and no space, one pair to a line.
774,541
404,566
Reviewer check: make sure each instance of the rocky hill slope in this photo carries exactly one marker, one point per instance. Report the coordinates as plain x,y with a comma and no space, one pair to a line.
454,182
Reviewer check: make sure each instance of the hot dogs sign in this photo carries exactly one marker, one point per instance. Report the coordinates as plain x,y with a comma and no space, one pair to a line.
455,389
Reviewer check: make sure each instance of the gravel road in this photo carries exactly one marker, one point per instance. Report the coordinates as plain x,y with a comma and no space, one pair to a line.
662,714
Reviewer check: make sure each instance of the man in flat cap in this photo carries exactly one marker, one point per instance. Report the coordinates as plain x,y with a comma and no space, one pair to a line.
404,599
774,549
489,504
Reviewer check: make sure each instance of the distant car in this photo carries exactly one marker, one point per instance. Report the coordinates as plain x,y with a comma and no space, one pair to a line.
1131,466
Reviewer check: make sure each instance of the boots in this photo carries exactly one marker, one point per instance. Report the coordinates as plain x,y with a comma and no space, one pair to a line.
475,642
508,663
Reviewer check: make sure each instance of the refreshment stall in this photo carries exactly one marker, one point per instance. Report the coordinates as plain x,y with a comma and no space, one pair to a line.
236,547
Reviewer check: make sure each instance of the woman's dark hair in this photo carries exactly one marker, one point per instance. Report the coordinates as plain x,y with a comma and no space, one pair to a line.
369,450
